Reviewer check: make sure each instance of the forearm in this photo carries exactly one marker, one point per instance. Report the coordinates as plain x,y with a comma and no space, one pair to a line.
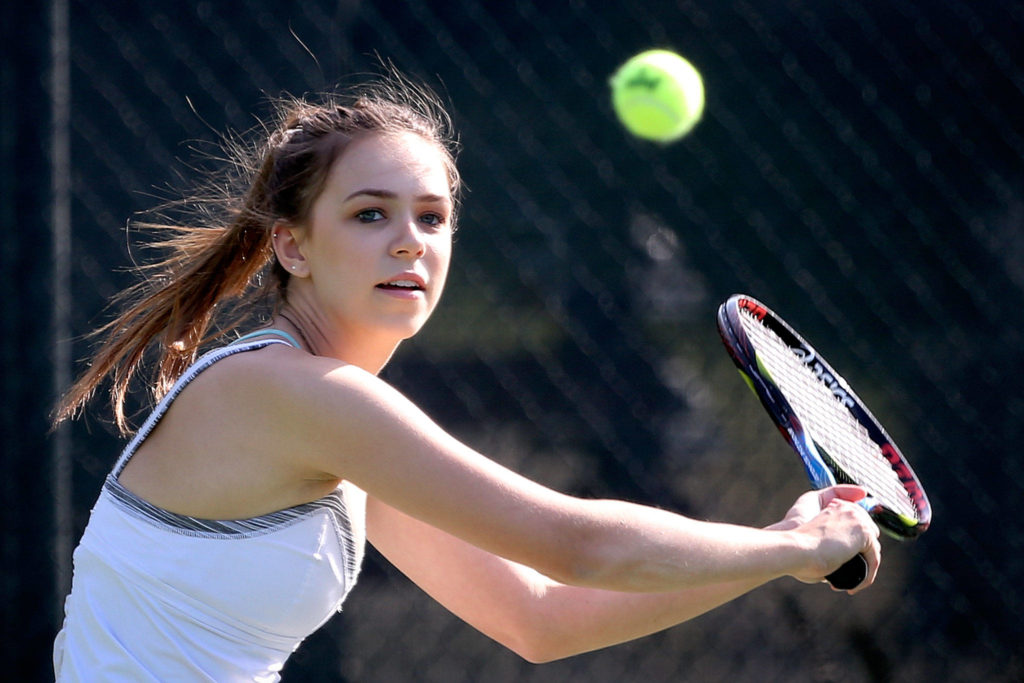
641,549
569,620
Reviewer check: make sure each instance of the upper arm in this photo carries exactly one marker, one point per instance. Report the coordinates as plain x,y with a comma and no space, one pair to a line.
348,424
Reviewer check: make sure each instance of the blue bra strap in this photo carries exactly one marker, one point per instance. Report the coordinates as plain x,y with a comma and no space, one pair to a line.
261,333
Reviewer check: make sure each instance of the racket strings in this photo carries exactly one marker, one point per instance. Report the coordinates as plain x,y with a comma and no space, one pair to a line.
832,427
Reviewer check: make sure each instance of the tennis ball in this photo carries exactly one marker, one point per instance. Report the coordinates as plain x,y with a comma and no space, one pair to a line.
658,95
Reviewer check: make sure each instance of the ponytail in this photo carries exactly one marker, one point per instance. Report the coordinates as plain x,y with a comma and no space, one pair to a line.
172,309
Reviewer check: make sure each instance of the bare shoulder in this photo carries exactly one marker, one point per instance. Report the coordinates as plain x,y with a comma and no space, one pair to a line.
232,443
280,371
283,387
305,409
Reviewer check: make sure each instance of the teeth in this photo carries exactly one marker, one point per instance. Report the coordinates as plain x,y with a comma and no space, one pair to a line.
404,283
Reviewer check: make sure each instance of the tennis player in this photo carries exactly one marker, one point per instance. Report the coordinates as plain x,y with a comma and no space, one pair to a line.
233,524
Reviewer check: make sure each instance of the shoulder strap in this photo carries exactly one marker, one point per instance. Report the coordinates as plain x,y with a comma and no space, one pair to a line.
190,374
269,331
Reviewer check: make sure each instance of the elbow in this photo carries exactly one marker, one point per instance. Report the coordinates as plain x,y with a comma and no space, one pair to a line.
538,628
588,561
529,651
539,656
584,545
539,645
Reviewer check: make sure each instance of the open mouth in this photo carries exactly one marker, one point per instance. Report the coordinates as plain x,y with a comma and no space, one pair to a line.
401,286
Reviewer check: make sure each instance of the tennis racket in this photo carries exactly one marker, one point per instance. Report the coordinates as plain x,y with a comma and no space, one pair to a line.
836,437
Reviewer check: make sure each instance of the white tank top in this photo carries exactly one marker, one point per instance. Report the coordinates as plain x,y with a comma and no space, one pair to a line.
158,596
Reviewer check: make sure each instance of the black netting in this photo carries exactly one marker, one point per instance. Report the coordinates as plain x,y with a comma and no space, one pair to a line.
858,168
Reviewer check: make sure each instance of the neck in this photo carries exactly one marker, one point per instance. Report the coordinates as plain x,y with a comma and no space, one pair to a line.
318,338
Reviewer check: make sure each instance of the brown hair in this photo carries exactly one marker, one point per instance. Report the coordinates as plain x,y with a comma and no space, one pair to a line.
215,261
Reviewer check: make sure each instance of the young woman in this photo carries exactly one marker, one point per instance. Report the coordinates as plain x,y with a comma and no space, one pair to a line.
233,524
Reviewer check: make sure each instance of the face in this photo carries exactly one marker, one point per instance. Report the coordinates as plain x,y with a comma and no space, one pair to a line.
378,241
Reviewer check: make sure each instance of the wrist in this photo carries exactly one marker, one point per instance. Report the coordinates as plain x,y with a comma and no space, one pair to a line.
799,552
783,525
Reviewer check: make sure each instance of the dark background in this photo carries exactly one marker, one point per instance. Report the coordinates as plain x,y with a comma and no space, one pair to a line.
858,168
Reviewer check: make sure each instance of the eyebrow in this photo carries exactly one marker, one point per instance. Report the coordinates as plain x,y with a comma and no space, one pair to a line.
388,194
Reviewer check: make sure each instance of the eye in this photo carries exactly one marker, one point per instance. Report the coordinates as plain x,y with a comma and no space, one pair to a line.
370,215
434,219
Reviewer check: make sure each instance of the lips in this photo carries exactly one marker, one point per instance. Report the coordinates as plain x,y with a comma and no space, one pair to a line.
407,282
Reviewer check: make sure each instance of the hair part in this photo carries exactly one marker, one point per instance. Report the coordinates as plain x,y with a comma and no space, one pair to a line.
218,260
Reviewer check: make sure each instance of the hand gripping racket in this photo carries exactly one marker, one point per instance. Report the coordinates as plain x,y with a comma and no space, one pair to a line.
836,437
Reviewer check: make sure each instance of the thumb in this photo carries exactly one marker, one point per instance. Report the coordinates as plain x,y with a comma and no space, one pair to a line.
850,492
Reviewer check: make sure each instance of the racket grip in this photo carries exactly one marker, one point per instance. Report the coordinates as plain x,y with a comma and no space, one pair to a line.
850,574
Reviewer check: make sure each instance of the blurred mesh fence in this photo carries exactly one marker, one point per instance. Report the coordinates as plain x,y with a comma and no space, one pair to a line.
858,168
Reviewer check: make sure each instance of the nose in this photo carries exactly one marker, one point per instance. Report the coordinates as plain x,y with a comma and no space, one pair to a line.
409,242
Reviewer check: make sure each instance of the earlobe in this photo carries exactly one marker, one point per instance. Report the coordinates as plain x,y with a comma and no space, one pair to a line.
287,242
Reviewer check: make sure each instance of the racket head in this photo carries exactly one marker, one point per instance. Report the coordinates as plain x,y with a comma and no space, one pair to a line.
822,419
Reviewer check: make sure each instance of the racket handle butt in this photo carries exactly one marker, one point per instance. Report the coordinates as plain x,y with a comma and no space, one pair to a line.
850,574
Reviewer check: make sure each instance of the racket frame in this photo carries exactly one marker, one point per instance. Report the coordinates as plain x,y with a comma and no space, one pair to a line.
820,469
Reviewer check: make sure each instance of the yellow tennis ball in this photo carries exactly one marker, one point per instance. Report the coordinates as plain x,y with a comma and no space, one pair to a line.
658,95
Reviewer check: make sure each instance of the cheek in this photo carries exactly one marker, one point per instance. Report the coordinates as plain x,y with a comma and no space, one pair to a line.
443,255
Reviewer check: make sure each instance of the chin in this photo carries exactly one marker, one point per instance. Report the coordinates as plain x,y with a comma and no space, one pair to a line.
406,329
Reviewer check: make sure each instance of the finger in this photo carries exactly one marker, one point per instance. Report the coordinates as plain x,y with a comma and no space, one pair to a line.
871,551
872,554
850,492
808,499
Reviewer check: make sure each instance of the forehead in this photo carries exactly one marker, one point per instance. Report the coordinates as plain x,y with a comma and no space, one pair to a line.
399,162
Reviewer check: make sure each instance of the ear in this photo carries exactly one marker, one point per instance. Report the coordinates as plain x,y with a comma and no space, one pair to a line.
288,239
